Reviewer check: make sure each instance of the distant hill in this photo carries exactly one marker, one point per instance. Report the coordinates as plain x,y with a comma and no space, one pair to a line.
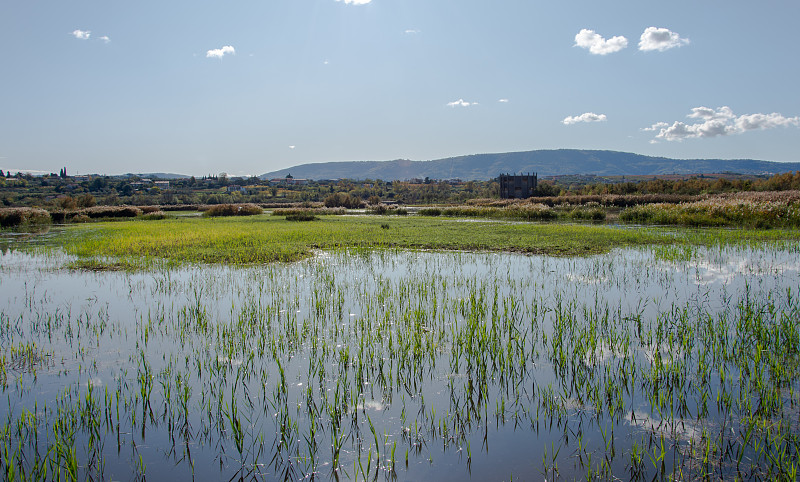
543,162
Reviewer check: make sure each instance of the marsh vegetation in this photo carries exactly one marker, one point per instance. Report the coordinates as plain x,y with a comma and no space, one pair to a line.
128,351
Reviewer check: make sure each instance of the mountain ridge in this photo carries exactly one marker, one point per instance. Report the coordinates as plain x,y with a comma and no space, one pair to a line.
544,162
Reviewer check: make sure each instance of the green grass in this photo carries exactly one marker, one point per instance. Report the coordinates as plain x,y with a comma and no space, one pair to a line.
266,239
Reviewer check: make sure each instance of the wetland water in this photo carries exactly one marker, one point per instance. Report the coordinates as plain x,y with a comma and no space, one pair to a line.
407,365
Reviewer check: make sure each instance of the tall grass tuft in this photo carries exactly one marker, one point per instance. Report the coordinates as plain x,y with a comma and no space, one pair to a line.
233,210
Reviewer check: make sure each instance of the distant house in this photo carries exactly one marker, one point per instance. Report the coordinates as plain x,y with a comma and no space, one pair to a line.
162,184
235,188
515,186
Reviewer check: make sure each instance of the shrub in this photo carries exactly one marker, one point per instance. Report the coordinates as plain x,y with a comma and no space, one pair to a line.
344,200
233,210
383,209
67,202
378,209
86,201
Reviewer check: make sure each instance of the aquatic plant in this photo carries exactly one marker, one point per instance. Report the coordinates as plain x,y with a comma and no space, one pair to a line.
663,362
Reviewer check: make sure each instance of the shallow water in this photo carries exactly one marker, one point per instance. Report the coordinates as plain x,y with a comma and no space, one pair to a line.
463,364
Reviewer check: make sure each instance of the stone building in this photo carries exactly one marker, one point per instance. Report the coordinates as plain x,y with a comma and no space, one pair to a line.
513,186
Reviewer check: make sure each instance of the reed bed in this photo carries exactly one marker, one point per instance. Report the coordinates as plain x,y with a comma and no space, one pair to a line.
758,210
218,210
11,217
95,213
529,212
521,211
605,200
387,210
640,364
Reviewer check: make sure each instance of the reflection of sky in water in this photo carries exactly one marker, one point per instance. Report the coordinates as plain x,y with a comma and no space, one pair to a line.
710,271
627,283
630,282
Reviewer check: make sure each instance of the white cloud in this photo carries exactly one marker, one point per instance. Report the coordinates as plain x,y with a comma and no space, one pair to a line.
586,117
219,53
660,39
749,122
504,101
718,122
355,2
105,39
707,113
589,39
461,103
82,34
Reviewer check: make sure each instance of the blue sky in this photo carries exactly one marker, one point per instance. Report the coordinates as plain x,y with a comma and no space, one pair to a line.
199,87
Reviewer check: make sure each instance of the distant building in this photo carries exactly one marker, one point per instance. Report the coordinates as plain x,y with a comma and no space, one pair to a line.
162,184
516,186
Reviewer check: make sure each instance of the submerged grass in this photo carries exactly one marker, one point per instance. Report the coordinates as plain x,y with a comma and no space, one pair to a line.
264,239
612,367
